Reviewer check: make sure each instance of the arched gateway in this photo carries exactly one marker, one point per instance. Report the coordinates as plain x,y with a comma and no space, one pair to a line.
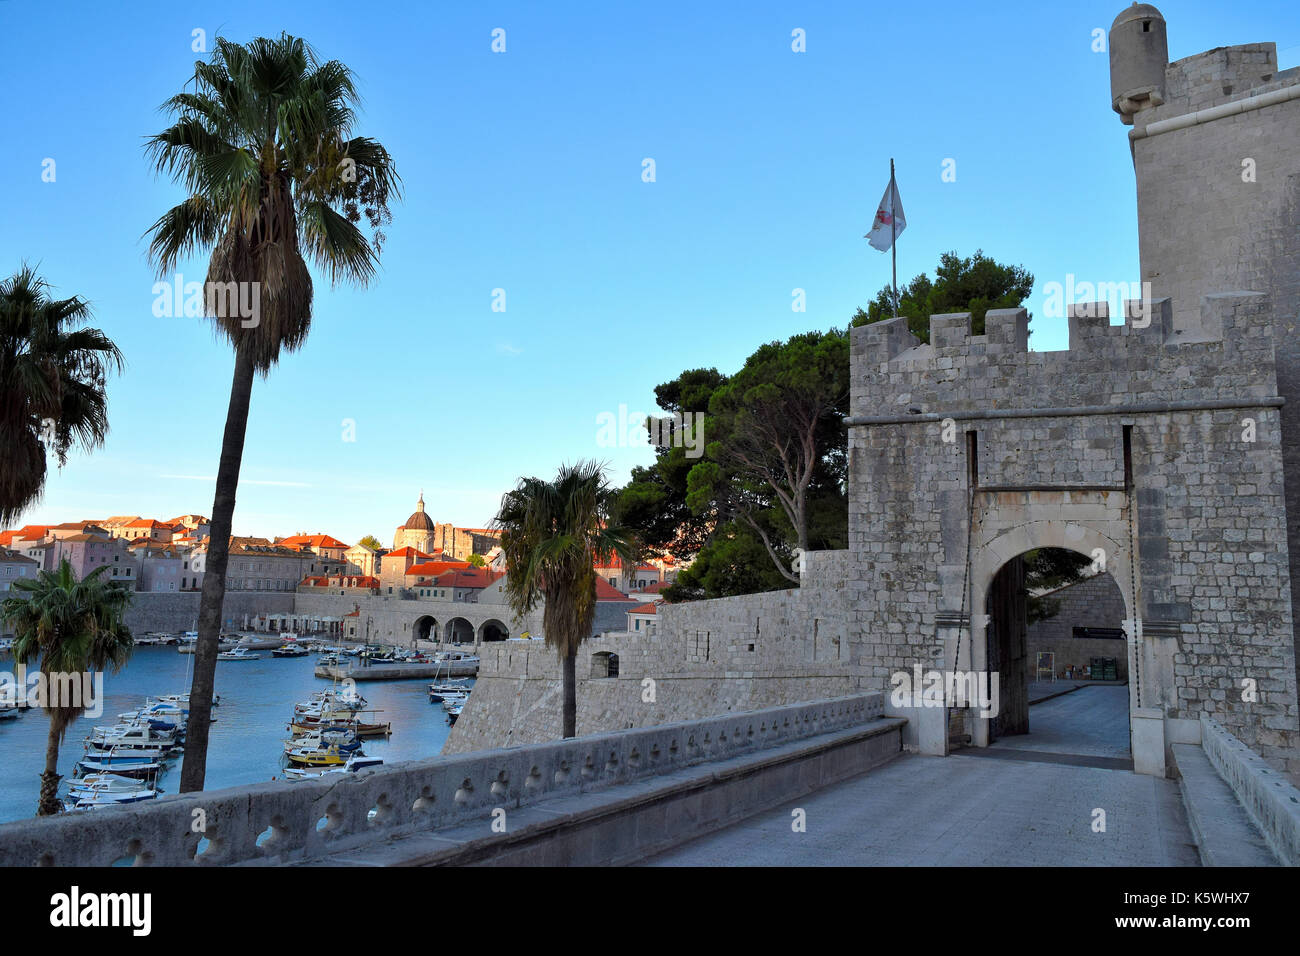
1154,452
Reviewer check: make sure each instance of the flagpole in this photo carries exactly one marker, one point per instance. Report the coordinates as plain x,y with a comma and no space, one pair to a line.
893,235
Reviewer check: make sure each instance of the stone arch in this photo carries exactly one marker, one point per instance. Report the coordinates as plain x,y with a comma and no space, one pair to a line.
995,544
458,631
1005,543
492,630
425,628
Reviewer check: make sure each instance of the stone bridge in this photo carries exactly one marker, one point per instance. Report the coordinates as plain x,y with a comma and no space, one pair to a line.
824,782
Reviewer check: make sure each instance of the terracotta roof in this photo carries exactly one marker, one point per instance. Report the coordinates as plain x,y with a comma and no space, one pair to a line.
607,592
313,540
655,587
435,568
651,608
88,537
13,557
146,523
408,552
468,578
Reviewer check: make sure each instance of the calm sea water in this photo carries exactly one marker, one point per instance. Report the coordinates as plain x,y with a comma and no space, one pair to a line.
247,739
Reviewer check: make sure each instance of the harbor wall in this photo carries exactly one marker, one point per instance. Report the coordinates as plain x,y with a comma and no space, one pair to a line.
179,610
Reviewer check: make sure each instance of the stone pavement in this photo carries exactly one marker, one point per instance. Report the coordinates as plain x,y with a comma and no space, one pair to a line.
988,810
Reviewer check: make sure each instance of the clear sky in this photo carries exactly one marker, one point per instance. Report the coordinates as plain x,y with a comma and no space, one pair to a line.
522,171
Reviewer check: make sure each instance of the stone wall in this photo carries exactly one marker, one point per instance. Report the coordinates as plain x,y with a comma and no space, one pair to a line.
707,658
177,611
1093,602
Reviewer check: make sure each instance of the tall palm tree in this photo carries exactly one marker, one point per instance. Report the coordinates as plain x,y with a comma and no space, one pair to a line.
263,146
52,376
74,627
554,534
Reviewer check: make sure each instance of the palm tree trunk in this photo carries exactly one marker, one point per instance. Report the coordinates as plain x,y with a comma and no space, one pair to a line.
571,693
194,769
49,803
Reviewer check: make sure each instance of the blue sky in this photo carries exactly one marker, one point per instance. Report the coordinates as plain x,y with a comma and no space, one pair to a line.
523,171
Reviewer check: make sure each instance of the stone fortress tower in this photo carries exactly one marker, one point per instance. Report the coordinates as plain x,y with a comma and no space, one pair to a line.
1216,152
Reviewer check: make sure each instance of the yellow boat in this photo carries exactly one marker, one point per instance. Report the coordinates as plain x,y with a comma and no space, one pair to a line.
315,757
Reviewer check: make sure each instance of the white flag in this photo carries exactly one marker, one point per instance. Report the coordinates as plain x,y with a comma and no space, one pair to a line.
890,221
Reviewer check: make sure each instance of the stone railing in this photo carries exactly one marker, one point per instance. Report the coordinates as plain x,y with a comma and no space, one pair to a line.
281,822
1272,803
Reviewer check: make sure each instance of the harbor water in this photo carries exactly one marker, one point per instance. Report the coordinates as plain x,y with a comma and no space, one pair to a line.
246,743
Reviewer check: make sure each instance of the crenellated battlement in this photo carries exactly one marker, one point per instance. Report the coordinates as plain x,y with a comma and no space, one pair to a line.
1227,353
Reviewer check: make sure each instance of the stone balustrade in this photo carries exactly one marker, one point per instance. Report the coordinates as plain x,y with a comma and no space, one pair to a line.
283,822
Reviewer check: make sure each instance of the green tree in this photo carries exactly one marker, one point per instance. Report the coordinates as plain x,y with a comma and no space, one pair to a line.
74,628
263,146
52,385
974,284
371,542
654,500
553,536
777,433
477,560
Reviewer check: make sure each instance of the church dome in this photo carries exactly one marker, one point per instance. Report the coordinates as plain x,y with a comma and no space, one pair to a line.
419,521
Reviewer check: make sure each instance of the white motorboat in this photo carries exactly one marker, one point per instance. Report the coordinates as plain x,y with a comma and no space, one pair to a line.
239,653
89,799
290,650
105,783
438,691
354,764
323,738
143,737
140,767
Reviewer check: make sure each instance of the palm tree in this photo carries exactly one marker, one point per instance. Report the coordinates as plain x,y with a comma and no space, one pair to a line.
75,628
52,375
263,146
553,535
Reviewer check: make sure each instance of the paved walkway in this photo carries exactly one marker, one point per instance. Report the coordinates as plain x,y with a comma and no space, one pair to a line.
1025,801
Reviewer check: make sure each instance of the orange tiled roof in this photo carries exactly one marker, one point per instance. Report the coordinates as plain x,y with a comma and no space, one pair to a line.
607,592
409,552
313,541
468,578
435,568
651,608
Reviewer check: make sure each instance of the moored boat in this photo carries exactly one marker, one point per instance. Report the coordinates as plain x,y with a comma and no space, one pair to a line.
354,764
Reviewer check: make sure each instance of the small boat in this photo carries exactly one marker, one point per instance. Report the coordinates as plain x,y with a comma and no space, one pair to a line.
239,653
105,783
354,764
454,700
454,713
105,797
332,756
138,767
341,737
438,692
9,708
141,737
290,650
